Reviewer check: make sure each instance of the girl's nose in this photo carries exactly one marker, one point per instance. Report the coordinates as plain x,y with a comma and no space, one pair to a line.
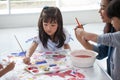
48,27
99,11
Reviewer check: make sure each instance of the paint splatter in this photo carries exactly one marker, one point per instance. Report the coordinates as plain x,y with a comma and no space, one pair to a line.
73,76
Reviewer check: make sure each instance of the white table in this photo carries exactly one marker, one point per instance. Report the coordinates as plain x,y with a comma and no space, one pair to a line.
91,73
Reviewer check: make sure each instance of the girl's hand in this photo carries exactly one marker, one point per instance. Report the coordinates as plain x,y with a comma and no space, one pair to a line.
26,60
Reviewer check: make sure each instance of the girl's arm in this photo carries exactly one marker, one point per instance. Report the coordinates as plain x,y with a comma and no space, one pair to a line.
32,49
26,60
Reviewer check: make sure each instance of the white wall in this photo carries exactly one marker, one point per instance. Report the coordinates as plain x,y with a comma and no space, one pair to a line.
28,20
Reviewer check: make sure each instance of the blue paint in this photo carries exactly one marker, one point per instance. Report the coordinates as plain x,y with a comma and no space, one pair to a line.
51,65
23,53
41,62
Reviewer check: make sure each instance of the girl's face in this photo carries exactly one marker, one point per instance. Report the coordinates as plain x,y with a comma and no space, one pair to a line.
116,23
50,28
102,11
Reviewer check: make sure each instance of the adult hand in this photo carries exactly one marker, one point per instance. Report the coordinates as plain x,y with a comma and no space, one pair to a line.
79,32
79,24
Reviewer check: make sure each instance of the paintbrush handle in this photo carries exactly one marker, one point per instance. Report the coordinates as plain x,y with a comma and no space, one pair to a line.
18,43
79,25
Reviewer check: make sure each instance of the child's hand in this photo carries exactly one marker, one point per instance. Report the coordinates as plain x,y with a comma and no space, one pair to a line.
10,66
26,60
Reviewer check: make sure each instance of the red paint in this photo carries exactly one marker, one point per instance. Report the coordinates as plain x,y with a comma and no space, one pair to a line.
59,56
31,68
83,56
76,76
73,78
35,71
48,52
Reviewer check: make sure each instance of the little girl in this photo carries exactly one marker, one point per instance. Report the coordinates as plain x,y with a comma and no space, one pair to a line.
52,36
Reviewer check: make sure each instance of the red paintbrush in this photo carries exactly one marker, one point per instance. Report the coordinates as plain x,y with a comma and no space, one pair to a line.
79,25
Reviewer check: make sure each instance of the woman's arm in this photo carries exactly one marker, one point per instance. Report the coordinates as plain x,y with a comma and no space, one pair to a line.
89,36
84,38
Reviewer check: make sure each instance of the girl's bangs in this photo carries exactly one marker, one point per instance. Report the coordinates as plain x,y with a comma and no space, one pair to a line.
50,19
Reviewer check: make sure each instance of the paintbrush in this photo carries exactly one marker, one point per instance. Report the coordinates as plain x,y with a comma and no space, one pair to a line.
23,52
79,25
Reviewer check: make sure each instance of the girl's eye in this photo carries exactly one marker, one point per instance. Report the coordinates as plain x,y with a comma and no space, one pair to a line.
102,8
53,25
45,24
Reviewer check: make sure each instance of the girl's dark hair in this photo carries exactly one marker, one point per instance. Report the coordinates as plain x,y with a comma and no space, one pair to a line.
108,26
113,9
52,14
109,0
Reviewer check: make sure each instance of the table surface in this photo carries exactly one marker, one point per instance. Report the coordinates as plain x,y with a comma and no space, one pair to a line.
92,73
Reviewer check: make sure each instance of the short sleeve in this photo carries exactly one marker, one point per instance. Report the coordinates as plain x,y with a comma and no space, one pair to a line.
36,39
67,36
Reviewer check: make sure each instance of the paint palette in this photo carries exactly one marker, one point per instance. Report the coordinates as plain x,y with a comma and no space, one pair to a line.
56,55
48,62
42,67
